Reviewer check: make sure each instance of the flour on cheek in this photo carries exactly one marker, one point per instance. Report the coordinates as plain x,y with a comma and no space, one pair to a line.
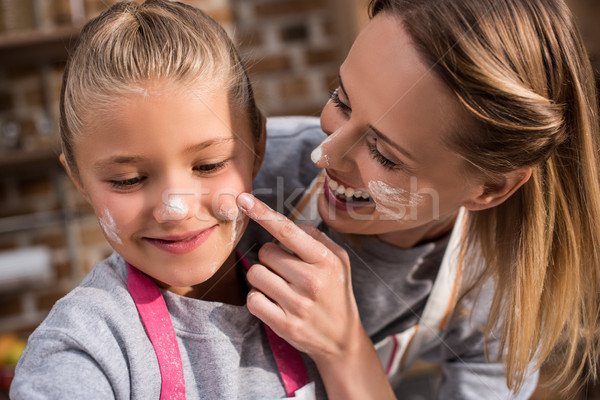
393,202
228,211
109,227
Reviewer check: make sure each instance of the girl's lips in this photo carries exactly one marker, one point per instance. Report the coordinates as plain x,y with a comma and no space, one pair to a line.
181,244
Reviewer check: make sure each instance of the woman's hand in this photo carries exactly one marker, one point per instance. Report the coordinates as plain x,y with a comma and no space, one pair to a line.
306,298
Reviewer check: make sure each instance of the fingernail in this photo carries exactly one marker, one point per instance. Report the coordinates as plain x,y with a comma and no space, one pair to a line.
245,201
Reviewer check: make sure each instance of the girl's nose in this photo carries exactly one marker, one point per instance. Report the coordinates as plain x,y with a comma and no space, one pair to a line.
175,206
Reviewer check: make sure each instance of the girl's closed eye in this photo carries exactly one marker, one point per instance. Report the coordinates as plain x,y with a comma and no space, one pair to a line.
210,168
127,184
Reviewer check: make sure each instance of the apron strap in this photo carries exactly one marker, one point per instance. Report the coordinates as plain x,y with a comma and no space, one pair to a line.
400,350
289,360
154,314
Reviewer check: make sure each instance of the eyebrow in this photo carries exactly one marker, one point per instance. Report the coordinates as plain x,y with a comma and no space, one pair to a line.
208,143
377,132
137,159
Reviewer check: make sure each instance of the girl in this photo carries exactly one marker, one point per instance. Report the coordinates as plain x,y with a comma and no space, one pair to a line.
160,133
461,176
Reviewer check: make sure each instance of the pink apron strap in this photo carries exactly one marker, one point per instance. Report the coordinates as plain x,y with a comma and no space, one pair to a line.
288,359
155,316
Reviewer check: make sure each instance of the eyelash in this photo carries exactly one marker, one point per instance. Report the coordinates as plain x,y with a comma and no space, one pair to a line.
380,157
205,169
210,168
335,97
127,183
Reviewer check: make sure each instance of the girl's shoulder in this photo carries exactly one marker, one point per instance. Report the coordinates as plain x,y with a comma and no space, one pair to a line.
101,298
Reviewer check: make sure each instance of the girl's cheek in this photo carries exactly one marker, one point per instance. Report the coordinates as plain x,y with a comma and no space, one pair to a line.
227,211
108,225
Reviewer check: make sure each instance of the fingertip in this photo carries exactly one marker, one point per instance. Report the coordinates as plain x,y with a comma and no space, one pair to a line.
251,300
245,201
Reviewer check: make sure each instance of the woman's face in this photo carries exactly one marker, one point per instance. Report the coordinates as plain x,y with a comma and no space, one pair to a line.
390,170
162,173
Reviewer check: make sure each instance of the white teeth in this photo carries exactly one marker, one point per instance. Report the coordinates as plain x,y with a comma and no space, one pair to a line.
349,192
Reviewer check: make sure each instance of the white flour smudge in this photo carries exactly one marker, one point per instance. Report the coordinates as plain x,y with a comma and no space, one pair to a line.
391,201
174,209
109,227
316,155
229,211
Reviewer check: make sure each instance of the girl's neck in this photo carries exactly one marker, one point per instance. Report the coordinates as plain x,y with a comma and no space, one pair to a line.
227,285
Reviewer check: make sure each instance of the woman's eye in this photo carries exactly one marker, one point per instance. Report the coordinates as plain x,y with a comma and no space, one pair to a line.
210,168
127,183
380,157
335,98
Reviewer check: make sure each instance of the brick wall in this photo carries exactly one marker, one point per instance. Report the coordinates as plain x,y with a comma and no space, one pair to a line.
291,51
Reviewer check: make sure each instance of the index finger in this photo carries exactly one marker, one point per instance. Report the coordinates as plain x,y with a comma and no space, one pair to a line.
289,234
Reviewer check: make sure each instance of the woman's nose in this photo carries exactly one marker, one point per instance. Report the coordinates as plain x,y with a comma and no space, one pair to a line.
336,151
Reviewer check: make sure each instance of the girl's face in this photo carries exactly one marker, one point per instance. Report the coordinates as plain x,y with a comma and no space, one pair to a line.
162,173
389,168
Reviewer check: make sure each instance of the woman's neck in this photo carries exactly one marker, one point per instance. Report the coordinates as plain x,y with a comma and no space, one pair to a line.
425,233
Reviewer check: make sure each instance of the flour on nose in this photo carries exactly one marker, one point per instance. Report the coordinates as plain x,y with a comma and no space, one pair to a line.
174,208
316,155
107,223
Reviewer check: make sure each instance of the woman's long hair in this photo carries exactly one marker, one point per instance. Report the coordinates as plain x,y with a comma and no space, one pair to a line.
520,69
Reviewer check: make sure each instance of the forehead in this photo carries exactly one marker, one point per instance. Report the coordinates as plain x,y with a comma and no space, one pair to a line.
390,86
164,118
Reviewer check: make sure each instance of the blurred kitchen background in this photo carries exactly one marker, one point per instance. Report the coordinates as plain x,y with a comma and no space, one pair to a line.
49,237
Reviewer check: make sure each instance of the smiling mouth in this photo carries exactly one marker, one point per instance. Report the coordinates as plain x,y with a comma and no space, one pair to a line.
181,244
347,194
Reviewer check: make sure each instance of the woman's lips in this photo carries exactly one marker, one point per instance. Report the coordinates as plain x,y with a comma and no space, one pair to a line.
181,244
347,199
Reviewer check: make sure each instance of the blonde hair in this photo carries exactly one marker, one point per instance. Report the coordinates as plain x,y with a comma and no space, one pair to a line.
127,46
521,71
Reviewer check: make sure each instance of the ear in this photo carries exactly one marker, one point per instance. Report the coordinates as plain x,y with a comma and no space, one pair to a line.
495,192
73,175
259,147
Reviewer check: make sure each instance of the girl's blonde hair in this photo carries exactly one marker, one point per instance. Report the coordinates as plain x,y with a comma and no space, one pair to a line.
129,45
520,69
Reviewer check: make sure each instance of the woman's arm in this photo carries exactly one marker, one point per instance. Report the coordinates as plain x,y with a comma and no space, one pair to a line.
306,297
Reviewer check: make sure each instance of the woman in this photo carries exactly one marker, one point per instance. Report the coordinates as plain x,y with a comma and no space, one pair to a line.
463,145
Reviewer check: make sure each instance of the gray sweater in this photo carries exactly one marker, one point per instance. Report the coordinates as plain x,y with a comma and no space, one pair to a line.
93,345
391,285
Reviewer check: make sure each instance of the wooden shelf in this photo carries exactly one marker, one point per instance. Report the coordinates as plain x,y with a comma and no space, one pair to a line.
19,160
32,48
